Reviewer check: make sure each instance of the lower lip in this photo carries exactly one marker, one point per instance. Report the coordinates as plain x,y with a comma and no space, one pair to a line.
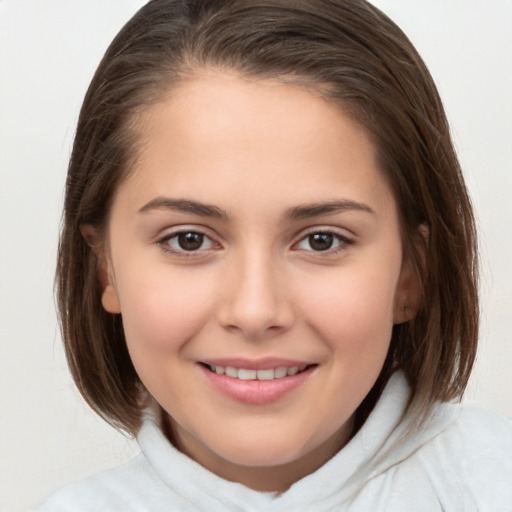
256,392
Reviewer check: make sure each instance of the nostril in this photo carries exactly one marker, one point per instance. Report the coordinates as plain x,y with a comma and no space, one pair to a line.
254,303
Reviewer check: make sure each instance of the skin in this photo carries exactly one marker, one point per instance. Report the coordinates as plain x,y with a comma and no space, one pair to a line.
256,287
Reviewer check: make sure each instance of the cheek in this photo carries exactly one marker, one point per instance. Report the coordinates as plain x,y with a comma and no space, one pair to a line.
162,312
353,311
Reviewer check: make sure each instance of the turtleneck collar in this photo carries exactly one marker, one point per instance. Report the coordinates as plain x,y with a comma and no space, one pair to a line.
382,442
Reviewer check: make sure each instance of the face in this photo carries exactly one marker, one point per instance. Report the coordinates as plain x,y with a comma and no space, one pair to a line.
255,256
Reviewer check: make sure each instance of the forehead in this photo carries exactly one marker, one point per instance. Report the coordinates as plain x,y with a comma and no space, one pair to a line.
221,134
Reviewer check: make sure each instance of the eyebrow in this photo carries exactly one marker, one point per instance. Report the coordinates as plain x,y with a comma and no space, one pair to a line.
326,208
296,213
184,205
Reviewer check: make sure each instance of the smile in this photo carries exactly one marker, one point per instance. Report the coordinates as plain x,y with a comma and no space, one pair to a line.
266,382
250,374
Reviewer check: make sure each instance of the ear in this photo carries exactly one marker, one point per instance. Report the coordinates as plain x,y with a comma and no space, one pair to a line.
409,290
109,298
407,295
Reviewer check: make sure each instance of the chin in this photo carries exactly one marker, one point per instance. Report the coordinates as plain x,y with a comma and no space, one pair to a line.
266,452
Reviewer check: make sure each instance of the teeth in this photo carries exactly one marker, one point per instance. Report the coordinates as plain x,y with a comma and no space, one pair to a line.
246,374
267,374
279,373
231,372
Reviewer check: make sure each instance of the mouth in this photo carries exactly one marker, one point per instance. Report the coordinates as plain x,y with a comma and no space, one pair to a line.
262,374
264,382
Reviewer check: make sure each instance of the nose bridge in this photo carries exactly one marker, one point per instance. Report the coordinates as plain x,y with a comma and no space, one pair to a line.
255,299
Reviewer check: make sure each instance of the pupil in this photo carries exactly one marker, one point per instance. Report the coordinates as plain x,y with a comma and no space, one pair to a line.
190,241
321,241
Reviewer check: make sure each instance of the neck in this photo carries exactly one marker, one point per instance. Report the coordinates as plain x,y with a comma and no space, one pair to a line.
275,478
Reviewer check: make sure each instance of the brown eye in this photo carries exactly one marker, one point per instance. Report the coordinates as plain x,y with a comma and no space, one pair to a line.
190,241
187,242
329,242
320,241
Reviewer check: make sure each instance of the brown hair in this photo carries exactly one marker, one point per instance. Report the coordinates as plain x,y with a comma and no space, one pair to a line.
353,55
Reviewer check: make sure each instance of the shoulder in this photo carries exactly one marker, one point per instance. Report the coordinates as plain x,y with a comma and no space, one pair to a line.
458,459
470,460
113,490
475,434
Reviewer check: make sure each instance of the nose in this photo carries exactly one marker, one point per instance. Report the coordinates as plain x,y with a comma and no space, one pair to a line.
255,302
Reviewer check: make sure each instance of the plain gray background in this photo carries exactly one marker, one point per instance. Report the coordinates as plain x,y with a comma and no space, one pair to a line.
48,52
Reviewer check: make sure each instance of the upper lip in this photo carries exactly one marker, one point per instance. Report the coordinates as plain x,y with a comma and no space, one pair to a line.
256,364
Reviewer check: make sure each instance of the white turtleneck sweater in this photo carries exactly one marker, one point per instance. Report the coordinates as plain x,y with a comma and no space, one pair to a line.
460,460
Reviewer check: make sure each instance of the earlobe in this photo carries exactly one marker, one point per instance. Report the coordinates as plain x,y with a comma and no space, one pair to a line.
409,293
109,298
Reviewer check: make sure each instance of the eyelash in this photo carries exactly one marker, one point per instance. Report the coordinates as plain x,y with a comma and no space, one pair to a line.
184,253
342,242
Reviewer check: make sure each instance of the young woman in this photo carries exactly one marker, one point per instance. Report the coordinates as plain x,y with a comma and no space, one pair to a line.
267,271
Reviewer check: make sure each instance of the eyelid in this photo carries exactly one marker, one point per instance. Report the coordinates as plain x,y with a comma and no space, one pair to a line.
177,230
338,233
